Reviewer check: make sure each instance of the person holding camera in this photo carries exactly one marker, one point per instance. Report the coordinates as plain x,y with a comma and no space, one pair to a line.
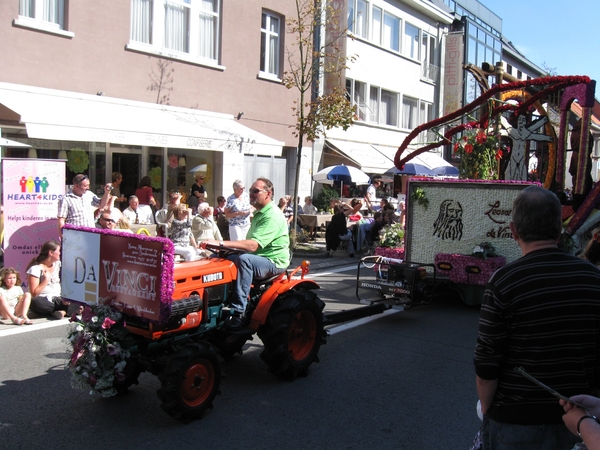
78,205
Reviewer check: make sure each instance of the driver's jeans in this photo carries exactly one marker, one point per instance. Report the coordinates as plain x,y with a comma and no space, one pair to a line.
249,267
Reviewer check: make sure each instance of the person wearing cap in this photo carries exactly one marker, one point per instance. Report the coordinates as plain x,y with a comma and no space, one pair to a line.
136,215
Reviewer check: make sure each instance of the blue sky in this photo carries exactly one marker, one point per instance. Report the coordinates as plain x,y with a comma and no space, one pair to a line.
560,34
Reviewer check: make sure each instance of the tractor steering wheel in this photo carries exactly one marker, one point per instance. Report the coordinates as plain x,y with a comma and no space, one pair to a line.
224,252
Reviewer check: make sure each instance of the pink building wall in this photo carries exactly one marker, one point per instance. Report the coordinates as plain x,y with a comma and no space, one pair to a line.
96,59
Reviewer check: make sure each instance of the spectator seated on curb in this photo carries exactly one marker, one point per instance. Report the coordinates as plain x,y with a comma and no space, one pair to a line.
14,303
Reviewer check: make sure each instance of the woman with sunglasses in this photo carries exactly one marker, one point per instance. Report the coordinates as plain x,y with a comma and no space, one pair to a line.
198,193
238,210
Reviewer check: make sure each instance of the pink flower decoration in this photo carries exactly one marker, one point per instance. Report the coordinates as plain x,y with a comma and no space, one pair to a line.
173,162
108,322
87,314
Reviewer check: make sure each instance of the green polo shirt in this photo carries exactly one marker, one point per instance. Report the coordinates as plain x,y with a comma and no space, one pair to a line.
269,229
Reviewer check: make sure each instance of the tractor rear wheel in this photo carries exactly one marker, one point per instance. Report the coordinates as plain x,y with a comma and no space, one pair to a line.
293,334
190,381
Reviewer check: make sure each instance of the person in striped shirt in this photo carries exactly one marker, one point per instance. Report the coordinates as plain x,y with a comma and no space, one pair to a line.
540,312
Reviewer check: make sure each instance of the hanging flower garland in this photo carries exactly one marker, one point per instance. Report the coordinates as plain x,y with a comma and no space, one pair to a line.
548,86
78,160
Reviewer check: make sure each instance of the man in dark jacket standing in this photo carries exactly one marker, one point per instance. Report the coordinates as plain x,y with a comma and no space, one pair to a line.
540,312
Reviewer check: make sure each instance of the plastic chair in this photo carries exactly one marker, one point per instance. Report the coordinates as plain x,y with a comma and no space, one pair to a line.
161,220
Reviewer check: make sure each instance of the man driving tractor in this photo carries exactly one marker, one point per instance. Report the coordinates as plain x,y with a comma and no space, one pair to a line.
267,245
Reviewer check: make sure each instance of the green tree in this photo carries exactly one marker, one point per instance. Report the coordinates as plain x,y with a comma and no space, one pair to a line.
317,56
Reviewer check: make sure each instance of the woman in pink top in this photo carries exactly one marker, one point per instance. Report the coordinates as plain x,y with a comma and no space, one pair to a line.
144,193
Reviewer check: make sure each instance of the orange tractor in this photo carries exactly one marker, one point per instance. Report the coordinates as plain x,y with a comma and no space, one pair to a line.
172,316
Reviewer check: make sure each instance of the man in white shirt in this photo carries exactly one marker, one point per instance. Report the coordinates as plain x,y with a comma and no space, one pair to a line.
136,215
371,196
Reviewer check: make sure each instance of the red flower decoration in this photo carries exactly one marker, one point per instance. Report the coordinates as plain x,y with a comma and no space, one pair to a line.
469,148
481,137
498,155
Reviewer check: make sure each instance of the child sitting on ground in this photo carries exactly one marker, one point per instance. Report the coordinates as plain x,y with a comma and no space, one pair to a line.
14,303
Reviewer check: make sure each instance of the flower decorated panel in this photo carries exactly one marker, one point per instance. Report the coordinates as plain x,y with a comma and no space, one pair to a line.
132,273
456,216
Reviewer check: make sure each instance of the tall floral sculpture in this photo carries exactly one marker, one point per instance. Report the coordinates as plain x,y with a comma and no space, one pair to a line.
479,154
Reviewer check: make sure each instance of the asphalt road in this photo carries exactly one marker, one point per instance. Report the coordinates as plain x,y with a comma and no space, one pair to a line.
400,380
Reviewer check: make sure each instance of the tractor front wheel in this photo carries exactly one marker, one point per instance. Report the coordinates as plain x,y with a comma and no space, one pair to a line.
293,334
190,381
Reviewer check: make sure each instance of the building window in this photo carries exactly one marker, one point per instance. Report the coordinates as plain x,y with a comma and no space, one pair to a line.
141,20
519,74
376,25
425,112
425,115
509,69
391,32
208,35
383,107
374,104
177,25
360,96
190,28
410,112
270,44
47,11
358,18
389,108
428,52
410,45
45,15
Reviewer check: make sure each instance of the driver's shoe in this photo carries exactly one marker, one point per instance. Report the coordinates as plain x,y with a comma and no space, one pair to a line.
235,323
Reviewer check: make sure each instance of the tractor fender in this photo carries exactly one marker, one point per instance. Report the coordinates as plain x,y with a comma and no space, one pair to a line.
280,287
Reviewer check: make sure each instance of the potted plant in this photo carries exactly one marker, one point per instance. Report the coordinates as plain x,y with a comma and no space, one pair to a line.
391,242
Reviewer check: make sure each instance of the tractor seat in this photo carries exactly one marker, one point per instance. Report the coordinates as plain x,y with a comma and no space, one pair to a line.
262,281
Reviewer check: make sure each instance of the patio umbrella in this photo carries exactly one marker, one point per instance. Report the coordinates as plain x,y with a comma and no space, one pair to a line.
200,168
446,171
341,173
411,168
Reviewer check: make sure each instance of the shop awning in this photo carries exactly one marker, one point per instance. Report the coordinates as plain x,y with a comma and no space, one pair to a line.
429,159
369,158
61,115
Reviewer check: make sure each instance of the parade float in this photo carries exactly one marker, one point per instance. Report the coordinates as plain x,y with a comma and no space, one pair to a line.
457,231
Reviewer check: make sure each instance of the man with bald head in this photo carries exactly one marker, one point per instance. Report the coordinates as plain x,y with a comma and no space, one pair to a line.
540,312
